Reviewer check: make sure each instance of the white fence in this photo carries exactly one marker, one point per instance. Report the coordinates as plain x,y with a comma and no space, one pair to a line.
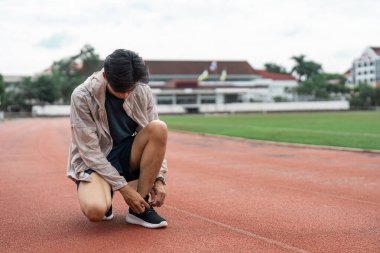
51,110
64,110
256,107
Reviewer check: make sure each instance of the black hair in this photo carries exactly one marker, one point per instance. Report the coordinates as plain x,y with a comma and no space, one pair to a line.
124,69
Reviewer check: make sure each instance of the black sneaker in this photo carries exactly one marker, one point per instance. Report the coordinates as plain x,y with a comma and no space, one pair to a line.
148,219
109,215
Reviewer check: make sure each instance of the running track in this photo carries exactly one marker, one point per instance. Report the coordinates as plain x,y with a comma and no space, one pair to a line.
223,196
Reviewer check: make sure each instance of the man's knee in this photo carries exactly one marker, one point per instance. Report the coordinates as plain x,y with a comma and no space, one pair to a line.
94,211
158,130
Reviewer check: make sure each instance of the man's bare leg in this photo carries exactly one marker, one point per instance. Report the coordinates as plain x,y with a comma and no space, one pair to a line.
148,151
94,197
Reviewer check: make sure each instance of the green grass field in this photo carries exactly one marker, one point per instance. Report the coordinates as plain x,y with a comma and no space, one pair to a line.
343,129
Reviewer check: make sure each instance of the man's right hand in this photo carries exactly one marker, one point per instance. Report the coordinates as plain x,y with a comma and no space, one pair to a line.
133,199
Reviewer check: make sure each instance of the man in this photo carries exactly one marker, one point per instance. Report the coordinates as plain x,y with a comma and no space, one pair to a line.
117,138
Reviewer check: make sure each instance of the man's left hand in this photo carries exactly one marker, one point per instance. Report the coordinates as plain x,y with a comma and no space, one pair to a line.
158,194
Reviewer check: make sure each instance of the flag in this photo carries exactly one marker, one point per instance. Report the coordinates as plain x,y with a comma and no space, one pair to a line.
213,66
223,76
203,76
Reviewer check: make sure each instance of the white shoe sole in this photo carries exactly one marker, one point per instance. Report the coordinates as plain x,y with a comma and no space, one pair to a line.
137,221
108,217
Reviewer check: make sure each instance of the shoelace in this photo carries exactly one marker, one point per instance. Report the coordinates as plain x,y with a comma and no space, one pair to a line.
151,210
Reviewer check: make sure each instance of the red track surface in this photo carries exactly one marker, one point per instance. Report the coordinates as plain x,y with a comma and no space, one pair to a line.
223,196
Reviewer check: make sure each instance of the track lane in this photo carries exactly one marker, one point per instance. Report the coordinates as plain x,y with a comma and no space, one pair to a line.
223,196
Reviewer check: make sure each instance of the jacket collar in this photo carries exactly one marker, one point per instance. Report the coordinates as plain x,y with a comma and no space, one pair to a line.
97,87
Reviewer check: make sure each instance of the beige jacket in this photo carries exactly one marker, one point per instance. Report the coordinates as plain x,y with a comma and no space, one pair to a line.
91,139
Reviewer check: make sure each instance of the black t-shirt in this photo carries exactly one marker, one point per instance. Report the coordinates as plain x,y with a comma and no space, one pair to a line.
121,125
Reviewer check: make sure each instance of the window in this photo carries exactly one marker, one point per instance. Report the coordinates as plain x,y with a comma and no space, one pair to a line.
365,72
359,65
208,99
365,64
186,99
164,100
359,73
232,98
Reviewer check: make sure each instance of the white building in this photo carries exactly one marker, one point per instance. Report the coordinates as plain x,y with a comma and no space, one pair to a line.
12,82
192,86
366,68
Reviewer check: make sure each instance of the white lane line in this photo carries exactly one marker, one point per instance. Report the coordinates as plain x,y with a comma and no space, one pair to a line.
241,231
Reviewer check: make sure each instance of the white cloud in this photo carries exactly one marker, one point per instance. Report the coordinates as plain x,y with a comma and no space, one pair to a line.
331,32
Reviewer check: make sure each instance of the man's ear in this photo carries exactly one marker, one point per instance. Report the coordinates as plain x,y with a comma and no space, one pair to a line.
104,75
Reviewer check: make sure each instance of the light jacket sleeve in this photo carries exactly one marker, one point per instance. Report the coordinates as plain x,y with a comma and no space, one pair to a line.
85,137
153,115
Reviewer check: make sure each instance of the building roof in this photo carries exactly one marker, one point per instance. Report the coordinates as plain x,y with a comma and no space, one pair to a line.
376,49
197,67
13,78
274,76
185,84
347,72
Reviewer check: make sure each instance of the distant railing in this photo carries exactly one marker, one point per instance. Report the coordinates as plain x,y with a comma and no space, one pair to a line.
263,107
256,107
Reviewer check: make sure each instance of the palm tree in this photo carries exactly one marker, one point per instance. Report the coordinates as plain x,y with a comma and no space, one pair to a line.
305,69
299,68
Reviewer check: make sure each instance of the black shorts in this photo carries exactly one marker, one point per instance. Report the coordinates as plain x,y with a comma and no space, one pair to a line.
119,157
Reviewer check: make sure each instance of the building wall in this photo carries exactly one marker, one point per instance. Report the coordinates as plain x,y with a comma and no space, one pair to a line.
377,69
366,69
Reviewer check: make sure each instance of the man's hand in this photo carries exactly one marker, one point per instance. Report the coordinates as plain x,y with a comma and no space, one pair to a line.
133,199
158,194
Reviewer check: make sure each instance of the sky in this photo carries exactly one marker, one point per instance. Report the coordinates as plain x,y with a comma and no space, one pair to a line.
34,33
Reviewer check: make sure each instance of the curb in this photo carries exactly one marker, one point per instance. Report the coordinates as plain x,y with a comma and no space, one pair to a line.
286,144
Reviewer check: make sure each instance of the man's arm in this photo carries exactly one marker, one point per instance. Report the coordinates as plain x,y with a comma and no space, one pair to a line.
84,136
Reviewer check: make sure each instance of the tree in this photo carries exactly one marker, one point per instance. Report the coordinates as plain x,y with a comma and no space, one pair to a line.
90,60
337,83
274,68
44,89
312,68
316,86
364,96
14,99
323,86
71,71
299,67
305,69
40,90
54,85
